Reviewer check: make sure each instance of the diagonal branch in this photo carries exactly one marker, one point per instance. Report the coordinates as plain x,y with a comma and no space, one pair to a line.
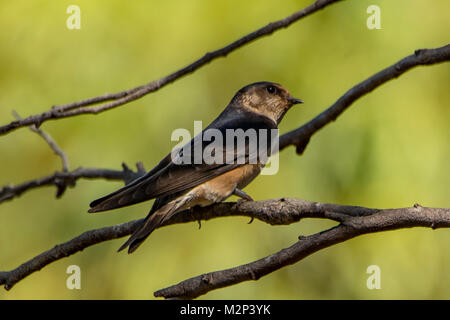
301,136
121,98
351,226
52,144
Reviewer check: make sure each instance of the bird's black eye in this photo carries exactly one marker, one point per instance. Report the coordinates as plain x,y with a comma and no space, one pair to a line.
271,89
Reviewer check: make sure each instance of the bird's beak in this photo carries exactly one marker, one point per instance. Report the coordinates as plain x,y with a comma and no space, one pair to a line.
294,100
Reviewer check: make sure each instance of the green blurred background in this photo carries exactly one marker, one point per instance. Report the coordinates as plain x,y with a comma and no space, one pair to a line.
390,149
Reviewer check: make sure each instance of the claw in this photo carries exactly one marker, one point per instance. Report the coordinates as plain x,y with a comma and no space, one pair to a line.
191,211
241,194
244,197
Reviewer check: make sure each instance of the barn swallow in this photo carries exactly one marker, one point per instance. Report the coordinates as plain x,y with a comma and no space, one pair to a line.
176,187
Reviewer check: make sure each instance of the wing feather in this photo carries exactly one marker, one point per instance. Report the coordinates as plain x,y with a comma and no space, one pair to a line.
168,178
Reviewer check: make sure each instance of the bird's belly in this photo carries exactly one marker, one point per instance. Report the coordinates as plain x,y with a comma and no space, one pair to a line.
221,187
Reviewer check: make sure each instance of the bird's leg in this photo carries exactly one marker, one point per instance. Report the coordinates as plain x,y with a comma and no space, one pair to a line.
241,194
191,211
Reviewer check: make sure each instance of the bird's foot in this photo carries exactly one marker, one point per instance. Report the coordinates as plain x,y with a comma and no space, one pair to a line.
244,197
241,194
191,211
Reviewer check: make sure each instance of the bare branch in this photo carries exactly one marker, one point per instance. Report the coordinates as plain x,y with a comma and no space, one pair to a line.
351,226
65,179
301,136
56,149
275,212
354,221
121,98
86,239
62,180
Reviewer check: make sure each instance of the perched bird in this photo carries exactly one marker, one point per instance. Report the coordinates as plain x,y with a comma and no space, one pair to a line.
179,186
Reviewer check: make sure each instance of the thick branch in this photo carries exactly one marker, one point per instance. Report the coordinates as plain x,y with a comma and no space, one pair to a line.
350,227
121,98
354,221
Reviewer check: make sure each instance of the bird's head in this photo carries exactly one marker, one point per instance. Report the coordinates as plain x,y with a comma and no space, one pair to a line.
267,98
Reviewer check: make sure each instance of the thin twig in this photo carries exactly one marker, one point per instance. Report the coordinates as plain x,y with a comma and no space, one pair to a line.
121,98
56,149
64,179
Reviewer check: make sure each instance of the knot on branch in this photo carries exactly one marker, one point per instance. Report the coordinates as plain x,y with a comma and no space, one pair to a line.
129,175
206,278
5,192
301,146
418,52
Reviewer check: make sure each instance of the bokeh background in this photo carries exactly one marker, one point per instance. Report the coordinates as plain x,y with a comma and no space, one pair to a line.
390,149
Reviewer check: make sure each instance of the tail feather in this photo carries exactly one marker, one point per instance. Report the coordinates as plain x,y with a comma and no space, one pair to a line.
128,195
153,221
149,225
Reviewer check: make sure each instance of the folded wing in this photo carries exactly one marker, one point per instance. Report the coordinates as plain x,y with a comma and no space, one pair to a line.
169,177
